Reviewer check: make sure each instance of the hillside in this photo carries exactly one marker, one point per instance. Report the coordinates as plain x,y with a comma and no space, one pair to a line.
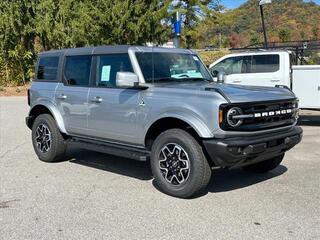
286,20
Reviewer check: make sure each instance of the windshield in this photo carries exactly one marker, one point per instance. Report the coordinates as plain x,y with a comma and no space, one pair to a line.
171,67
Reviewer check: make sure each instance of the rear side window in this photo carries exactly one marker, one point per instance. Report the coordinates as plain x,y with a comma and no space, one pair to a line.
77,70
265,63
108,66
48,68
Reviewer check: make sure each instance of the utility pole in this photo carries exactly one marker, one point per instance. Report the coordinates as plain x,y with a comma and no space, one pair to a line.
264,2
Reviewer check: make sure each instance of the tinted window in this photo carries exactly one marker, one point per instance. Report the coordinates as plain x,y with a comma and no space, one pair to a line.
48,68
265,63
108,66
233,65
77,70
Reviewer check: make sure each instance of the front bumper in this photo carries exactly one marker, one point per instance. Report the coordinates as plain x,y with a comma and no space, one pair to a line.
242,151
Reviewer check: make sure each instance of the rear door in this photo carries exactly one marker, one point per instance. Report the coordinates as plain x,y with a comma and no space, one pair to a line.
264,71
46,79
112,110
72,93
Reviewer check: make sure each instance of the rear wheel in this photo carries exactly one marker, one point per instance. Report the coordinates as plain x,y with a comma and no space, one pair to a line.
178,164
47,140
265,166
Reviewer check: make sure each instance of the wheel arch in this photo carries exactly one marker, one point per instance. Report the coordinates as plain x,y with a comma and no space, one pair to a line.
170,122
48,108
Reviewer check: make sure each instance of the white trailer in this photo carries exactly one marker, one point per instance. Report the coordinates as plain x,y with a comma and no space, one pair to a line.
306,85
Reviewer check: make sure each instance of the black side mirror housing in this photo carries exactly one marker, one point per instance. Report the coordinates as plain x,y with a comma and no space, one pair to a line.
214,73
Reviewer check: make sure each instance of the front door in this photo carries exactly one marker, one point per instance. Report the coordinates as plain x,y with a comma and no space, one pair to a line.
112,110
235,68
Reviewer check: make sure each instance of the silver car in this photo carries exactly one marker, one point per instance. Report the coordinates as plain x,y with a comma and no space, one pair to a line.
160,105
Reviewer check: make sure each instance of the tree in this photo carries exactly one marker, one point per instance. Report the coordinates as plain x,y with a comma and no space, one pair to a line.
316,33
255,39
194,11
29,26
284,34
17,34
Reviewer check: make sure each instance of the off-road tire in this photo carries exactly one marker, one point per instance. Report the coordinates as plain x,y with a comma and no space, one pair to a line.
265,166
58,145
200,171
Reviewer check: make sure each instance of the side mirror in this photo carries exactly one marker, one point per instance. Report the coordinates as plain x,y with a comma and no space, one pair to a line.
214,73
221,77
126,79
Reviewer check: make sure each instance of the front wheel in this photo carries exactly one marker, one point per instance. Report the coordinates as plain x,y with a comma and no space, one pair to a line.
178,164
265,166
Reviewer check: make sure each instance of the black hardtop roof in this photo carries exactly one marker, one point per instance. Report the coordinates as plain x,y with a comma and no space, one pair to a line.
109,49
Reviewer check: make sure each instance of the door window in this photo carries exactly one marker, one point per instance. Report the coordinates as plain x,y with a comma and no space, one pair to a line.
48,68
265,63
233,65
77,70
108,66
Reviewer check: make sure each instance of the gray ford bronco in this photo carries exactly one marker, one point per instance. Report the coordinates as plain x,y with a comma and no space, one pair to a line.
160,105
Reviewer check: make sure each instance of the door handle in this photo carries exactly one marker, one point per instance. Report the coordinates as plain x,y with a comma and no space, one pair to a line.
237,81
62,97
275,80
96,99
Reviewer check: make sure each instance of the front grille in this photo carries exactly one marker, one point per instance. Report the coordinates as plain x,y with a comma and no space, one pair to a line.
260,116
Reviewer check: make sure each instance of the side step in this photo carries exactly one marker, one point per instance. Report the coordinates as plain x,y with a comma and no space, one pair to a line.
140,154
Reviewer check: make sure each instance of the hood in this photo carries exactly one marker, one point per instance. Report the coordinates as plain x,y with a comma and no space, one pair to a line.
237,93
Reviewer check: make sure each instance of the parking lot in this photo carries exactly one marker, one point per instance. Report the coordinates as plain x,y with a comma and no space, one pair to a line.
97,196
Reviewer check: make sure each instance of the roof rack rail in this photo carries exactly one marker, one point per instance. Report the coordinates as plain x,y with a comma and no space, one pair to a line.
297,47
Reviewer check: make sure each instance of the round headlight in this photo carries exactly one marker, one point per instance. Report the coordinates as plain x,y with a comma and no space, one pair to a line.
235,111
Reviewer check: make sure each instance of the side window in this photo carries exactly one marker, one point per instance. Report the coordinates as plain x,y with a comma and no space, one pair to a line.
108,66
232,65
77,70
265,63
48,68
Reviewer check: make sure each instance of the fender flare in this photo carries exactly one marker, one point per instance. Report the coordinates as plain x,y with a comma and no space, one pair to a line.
197,124
54,112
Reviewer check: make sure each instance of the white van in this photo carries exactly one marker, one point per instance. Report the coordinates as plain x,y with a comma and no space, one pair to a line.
271,68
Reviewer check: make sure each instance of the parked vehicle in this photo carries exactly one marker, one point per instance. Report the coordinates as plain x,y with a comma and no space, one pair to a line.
272,68
159,104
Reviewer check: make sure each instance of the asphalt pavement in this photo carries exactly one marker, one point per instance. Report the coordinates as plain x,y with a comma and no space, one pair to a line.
97,196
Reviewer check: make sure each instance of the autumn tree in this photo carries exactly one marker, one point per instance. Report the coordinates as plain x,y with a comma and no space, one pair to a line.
284,34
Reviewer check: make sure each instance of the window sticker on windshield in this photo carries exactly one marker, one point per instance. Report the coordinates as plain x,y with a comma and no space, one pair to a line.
105,74
195,58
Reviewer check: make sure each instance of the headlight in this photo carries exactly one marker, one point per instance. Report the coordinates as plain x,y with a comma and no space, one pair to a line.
234,122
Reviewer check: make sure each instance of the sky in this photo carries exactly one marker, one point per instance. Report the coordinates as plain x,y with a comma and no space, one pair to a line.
237,3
